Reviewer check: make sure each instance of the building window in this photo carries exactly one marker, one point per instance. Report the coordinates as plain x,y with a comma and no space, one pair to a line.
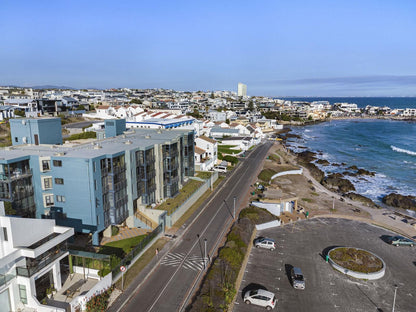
94,166
23,294
6,238
47,183
46,165
57,163
60,198
59,181
16,139
49,200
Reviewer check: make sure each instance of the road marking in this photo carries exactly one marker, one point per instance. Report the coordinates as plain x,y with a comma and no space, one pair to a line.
195,263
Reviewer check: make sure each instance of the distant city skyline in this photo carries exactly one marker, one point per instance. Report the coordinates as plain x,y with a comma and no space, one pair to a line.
277,48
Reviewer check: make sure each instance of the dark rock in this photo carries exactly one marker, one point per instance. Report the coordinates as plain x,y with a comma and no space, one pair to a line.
306,156
360,198
349,173
323,162
291,135
353,167
400,201
316,173
365,172
335,164
337,183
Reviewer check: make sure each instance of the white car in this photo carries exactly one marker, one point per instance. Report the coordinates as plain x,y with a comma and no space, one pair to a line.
261,298
264,242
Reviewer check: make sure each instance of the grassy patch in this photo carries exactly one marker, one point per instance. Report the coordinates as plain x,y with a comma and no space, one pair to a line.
171,204
194,207
126,244
83,135
356,260
314,194
307,200
266,174
274,157
203,175
139,265
227,150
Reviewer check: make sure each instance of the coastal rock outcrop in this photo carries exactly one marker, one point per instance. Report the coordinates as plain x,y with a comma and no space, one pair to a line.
306,156
335,182
323,162
315,172
400,201
360,198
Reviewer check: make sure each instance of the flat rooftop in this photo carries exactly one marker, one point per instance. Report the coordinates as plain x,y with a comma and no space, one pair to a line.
143,138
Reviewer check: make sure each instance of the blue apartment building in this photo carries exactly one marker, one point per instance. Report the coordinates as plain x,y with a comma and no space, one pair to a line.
90,186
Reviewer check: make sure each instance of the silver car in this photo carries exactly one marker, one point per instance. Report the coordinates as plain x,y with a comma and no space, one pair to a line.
298,281
264,242
261,298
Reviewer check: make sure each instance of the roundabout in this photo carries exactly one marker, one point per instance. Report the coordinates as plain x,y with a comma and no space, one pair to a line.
357,263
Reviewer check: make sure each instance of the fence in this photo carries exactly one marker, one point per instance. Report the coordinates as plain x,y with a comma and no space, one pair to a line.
130,256
179,211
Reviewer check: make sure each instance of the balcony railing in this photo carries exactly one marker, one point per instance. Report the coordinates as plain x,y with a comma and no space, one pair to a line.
29,270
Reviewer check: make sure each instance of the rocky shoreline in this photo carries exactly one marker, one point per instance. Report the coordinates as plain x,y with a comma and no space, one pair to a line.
337,183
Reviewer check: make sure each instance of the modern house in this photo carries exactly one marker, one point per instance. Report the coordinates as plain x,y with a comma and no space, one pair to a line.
91,186
32,255
206,153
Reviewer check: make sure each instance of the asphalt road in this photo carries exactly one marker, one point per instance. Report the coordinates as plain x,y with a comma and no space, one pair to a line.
171,284
303,243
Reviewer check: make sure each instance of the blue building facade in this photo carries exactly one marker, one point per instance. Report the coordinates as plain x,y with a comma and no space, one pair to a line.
94,185
36,131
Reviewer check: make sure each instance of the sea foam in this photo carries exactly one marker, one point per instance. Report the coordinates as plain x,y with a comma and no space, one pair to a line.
401,150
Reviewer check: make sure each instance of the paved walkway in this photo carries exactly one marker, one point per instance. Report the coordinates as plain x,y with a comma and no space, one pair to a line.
125,233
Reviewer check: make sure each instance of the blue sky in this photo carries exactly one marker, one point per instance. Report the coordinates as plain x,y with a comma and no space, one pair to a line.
278,48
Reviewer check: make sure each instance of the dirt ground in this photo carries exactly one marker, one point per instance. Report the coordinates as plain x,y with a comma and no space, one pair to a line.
311,195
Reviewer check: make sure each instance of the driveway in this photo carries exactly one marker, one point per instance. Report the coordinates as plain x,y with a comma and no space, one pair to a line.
304,243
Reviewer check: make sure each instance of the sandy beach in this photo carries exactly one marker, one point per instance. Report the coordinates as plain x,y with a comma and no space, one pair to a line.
319,201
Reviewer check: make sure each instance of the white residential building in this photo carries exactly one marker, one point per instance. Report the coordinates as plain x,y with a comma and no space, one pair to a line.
241,89
31,251
206,153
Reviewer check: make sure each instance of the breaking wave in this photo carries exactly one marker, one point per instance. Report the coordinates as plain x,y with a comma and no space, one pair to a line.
401,150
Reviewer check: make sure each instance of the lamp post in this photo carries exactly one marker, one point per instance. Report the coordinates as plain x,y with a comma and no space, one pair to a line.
234,208
394,298
205,253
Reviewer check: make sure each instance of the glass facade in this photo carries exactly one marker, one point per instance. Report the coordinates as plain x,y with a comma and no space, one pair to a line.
171,176
146,175
16,187
114,185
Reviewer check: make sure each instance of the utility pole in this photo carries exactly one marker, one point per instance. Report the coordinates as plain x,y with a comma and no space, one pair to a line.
205,253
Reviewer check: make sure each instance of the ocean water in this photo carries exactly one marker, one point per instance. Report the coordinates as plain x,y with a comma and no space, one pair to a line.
392,102
386,147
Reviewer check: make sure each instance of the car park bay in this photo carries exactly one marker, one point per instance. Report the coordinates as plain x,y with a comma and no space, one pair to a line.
303,244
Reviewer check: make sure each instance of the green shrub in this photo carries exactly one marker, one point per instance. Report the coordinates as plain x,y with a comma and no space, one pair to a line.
83,135
114,230
231,159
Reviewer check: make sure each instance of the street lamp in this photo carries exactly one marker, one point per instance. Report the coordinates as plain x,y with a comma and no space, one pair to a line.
205,253
394,298
234,208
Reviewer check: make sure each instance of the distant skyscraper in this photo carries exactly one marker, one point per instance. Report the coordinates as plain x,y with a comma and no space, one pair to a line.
242,89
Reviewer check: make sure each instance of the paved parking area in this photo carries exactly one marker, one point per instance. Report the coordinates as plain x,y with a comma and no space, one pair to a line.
303,243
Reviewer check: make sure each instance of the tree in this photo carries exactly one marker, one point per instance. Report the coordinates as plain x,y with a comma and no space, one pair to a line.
251,105
227,121
136,101
212,95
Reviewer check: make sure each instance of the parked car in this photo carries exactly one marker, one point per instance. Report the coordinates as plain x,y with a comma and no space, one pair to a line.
261,298
298,281
400,240
220,169
264,242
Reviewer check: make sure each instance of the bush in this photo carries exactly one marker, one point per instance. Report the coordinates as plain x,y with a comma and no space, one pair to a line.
99,302
231,159
114,230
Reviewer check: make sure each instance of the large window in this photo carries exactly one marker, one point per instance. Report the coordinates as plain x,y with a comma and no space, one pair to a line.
6,238
47,183
46,165
23,294
49,200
